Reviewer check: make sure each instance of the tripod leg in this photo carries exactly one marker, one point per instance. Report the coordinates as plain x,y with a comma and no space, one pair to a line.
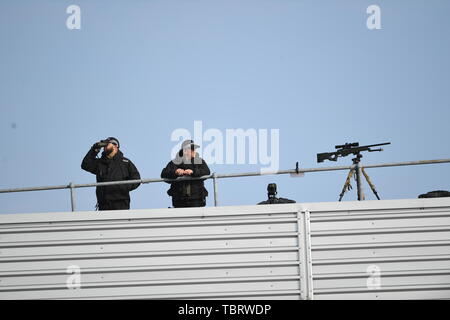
347,185
358,172
372,186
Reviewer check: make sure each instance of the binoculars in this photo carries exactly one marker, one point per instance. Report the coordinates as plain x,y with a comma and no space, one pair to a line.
101,144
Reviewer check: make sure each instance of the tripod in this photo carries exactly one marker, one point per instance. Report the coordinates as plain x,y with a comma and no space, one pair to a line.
357,169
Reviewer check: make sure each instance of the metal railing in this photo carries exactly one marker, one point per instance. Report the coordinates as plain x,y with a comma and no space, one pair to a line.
215,178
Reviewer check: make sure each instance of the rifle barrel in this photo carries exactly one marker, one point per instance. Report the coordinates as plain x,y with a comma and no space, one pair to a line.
378,144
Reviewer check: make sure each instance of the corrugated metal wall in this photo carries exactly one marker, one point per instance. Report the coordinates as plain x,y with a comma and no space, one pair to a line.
382,250
231,252
370,249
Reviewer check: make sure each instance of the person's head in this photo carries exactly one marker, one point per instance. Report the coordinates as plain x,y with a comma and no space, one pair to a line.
112,148
188,147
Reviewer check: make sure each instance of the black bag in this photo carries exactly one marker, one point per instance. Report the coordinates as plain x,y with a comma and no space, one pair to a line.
275,200
435,194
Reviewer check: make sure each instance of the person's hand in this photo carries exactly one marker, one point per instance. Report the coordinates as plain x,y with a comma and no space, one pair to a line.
100,144
96,146
179,172
188,172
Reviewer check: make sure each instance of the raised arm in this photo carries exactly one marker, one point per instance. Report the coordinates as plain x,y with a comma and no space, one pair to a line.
90,162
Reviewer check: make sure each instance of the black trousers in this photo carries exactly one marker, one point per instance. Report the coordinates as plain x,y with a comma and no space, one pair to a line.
188,203
114,205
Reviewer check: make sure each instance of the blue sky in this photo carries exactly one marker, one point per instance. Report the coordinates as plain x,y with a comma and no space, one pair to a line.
138,70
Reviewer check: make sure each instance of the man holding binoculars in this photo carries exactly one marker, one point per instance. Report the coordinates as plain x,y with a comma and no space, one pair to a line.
111,166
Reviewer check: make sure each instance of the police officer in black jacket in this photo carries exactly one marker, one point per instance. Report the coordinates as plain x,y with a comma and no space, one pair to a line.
187,193
111,166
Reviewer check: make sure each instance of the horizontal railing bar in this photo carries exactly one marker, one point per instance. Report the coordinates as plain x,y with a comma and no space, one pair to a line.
219,176
34,189
407,163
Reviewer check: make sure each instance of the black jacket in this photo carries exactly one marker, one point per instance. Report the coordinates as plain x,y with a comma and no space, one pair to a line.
187,189
116,169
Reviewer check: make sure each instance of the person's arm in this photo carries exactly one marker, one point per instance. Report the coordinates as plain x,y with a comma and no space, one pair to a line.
201,170
169,171
134,175
90,162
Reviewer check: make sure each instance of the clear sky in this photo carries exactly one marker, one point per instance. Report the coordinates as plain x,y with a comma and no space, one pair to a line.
139,70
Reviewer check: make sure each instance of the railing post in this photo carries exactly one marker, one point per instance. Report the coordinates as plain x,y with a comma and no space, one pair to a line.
215,189
72,196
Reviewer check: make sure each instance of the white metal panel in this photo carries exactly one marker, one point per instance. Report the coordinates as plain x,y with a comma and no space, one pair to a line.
388,251
249,252
180,289
229,252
